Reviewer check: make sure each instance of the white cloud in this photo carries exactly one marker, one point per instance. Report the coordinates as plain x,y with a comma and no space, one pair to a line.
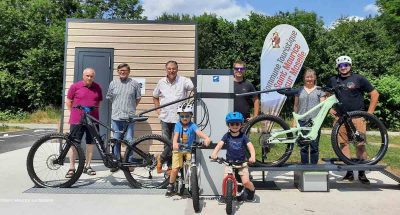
345,19
228,9
371,8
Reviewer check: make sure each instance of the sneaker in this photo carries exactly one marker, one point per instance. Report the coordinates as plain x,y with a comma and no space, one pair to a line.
349,176
170,190
250,194
159,164
363,178
114,169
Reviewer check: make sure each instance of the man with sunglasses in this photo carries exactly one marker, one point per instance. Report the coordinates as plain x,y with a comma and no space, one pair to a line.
243,104
352,98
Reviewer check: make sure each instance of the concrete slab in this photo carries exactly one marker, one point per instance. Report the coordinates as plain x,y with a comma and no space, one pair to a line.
381,197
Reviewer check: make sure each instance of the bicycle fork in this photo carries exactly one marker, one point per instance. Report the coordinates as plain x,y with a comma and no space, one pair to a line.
231,177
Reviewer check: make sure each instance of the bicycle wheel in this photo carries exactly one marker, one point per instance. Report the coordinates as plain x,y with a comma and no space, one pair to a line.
367,145
229,196
194,189
259,130
41,168
143,173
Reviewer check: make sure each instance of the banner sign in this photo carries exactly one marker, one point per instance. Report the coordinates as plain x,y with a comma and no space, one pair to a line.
283,55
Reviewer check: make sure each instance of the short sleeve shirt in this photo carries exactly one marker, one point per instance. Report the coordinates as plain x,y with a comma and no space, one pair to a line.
80,94
187,135
352,97
169,92
243,104
235,146
123,95
308,101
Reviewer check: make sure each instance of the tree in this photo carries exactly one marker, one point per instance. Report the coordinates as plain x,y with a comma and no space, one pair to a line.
32,46
390,17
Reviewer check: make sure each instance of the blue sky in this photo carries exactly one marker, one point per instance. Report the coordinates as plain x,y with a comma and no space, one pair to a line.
329,10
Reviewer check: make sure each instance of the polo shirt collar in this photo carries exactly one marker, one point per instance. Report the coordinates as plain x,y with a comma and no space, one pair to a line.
167,80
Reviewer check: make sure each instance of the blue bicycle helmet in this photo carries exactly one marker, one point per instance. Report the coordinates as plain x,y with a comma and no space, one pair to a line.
234,117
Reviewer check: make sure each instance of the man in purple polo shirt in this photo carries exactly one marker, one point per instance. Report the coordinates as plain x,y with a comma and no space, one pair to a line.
85,93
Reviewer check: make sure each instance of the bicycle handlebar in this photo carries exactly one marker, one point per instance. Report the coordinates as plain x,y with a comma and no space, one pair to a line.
226,162
86,109
195,144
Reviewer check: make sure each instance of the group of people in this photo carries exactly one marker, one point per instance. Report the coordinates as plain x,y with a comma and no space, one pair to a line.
176,124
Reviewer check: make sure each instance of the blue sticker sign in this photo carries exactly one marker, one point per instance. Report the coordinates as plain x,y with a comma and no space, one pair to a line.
215,78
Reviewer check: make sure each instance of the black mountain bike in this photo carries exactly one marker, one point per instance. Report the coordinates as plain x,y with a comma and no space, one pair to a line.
48,162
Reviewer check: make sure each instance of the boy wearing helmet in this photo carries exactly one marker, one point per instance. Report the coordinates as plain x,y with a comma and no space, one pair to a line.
184,134
352,98
236,143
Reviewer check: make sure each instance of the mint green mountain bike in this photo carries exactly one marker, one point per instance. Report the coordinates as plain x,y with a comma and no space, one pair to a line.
274,140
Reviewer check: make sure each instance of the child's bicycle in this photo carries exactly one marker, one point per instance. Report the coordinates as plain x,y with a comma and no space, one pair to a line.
48,162
273,139
232,186
188,177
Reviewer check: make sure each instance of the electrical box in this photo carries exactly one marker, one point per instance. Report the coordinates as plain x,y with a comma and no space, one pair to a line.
312,181
211,173
215,96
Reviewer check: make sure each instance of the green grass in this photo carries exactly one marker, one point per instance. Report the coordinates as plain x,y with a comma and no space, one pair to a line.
5,128
46,115
391,158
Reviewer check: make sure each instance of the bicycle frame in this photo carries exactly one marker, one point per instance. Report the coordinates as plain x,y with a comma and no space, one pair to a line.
325,106
186,167
108,158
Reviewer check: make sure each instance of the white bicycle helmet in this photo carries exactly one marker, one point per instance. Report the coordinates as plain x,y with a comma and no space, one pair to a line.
186,108
343,59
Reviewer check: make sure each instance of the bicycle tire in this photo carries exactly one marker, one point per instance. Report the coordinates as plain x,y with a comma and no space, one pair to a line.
139,177
194,189
229,196
375,130
257,132
53,144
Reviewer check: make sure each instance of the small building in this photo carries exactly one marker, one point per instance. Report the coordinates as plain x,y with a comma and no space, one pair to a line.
145,45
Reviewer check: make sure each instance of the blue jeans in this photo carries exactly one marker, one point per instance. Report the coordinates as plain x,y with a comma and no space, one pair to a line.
314,151
119,126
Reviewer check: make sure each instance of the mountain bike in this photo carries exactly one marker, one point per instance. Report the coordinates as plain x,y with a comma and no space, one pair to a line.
232,186
47,160
188,176
274,140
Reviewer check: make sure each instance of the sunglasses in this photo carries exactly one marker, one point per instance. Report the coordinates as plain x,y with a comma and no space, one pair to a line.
239,69
343,65
187,116
234,124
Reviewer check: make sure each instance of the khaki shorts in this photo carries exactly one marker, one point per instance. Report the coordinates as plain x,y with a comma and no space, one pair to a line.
361,127
244,170
177,158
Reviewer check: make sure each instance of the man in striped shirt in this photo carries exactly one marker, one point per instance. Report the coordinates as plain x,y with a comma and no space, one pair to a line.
124,94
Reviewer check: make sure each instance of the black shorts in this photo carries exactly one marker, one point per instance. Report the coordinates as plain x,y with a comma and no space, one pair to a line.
80,132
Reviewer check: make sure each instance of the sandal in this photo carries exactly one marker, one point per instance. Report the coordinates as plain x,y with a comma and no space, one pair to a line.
89,171
70,173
